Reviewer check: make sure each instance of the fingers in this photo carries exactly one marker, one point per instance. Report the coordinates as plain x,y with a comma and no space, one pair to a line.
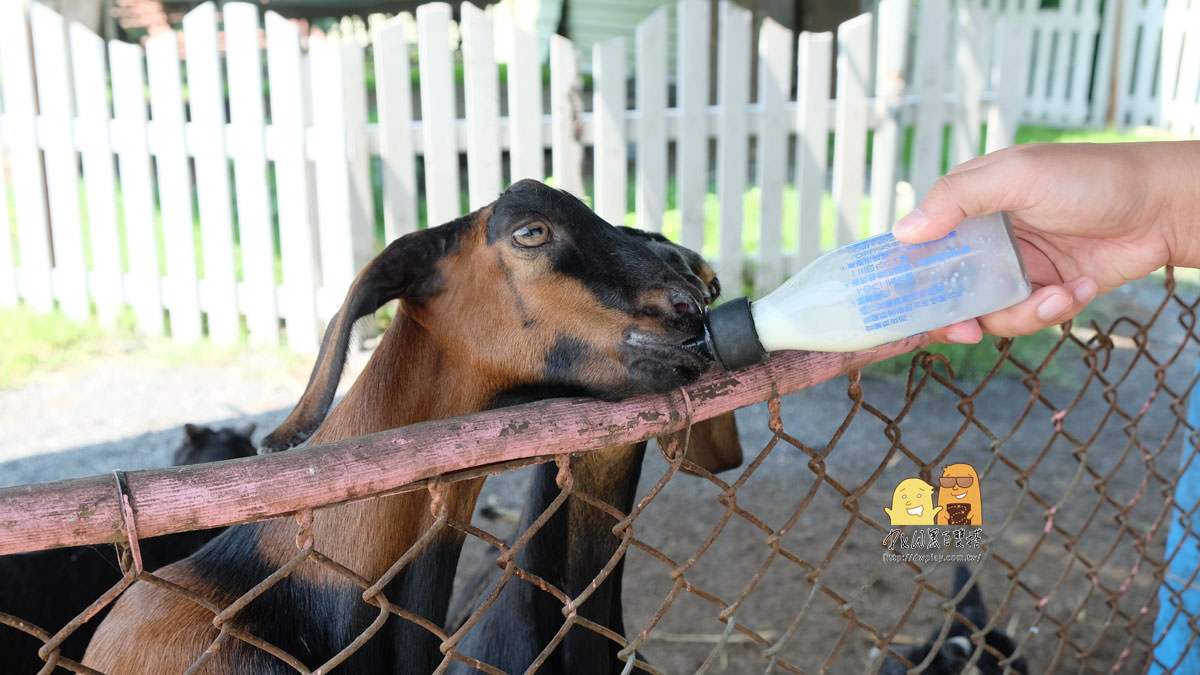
964,332
986,184
1045,307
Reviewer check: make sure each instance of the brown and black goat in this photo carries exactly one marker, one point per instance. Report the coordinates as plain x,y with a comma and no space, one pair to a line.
530,297
50,588
570,552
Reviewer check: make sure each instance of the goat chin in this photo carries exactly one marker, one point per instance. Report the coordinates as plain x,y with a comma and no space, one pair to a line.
532,293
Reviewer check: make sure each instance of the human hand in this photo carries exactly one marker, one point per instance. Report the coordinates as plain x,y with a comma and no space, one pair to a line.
1088,218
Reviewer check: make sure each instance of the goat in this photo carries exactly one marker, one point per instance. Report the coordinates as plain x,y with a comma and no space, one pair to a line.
530,297
569,551
50,588
955,651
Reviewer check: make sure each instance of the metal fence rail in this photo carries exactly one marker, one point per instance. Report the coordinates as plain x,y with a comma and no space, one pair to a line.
789,563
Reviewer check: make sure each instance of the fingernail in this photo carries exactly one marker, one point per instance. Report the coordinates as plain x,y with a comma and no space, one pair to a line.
1053,306
964,333
914,220
1085,290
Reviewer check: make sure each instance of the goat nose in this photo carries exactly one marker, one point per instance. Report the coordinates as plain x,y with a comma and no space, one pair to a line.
682,302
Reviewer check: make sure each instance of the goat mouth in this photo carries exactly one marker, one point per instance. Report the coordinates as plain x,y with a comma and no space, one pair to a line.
663,363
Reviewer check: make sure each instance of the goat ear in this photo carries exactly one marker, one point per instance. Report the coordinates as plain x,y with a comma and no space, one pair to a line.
406,269
192,431
712,444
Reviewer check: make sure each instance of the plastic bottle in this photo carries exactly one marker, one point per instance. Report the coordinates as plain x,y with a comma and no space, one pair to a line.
873,292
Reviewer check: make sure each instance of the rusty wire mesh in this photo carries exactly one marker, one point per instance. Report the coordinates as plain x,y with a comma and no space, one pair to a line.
789,563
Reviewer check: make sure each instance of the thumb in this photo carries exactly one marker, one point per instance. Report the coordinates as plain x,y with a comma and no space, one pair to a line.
972,189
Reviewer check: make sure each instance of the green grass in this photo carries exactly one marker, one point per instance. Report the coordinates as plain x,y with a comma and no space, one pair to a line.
34,342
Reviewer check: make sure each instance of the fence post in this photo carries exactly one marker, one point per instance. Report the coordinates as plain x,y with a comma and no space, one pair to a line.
335,194
144,289
608,70
891,55
482,103
393,96
527,157
774,76
206,144
248,147
813,55
286,70
850,125
438,113
932,51
174,185
1012,44
971,49
94,128
34,282
57,107
651,74
691,146
565,110
8,264
733,137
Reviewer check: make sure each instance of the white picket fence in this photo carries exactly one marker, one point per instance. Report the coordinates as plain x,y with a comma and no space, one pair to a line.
244,202
1157,80
1132,62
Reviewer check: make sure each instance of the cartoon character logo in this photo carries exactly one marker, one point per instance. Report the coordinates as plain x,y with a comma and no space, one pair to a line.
958,494
912,503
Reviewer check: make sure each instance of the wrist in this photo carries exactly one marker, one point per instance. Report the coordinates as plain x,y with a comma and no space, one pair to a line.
1175,195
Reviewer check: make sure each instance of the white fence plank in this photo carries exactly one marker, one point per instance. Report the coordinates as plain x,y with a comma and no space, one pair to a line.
29,189
206,143
247,121
814,56
57,106
393,86
1102,77
565,109
180,290
611,175
297,229
1180,87
972,49
438,113
691,147
8,267
929,73
144,288
353,95
482,102
1011,47
651,124
527,156
891,57
774,85
91,96
335,208
850,126
733,137
1083,55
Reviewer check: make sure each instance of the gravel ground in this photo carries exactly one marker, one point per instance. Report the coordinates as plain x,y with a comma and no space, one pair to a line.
126,412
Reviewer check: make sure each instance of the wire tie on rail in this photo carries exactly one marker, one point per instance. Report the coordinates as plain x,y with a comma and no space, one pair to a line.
129,522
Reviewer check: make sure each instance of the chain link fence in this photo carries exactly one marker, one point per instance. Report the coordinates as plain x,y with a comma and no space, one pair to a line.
1079,449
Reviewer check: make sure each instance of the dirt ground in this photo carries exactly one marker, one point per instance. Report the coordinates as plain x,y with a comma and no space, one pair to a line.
1075,465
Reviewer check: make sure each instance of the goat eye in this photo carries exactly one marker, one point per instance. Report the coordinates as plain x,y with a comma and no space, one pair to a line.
534,234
